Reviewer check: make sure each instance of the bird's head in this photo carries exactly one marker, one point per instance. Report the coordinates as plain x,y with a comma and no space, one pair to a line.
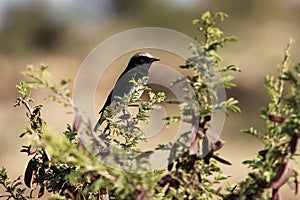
142,58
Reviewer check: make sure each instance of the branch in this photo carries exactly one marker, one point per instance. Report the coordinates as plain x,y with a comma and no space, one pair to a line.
25,103
282,70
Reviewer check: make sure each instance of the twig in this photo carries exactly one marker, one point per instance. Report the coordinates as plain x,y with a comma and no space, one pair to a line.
282,70
26,104
53,89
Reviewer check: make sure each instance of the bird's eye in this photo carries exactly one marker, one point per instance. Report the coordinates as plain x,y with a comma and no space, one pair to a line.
140,61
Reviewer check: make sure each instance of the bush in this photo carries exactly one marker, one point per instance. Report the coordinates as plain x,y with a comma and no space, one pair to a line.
61,166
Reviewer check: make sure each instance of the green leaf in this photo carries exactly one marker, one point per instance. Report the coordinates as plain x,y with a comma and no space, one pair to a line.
227,81
221,176
251,131
230,68
221,15
205,16
173,101
50,98
231,105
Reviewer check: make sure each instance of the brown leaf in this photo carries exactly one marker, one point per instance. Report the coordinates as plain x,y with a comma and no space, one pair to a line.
275,194
32,150
142,195
208,156
276,118
214,140
104,197
293,143
284,172
221,160
80,144
194,148
77,121
30,175
217,145
165,180
263,153
125,116
294,186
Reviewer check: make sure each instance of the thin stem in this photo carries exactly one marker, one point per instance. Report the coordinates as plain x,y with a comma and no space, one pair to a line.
283,69
54,90
26,104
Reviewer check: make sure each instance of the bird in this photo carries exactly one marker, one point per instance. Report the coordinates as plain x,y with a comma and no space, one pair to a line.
137,68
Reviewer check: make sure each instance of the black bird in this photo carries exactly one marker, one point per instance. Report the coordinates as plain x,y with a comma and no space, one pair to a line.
137,68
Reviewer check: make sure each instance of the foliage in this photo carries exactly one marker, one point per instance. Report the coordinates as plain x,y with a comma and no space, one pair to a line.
272,166
195,175
61,165
125,131
12,188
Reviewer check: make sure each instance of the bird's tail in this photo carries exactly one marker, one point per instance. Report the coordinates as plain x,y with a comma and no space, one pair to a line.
98,124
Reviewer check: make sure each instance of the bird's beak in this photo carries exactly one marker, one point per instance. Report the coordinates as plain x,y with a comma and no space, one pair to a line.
155,59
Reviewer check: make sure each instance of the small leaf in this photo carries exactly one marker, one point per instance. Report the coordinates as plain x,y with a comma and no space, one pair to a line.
283,173
50,98
65,81
277,118
29,177
41,192
23,134
195,21
221,176
293,143
32,150
173,101
230,68
221,160
230,39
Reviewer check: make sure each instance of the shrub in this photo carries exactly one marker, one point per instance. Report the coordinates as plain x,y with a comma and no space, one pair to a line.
61,166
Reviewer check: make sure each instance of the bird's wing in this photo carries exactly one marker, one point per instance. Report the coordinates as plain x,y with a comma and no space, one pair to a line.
122,86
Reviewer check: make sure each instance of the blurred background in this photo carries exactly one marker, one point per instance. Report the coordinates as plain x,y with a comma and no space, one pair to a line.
62,33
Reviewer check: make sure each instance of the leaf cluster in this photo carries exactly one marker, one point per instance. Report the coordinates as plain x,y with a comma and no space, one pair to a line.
272,168
73,165
195,172
14,189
